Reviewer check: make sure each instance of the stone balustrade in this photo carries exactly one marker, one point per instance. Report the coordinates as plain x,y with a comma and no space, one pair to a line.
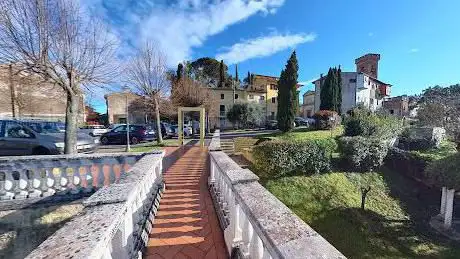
215,141
116,220
256,224
39,176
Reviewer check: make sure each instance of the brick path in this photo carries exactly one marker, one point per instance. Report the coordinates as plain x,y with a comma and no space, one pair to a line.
186,225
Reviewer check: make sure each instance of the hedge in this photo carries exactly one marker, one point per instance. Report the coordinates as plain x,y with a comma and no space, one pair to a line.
407,163
362,154
444,172
326,119
278,158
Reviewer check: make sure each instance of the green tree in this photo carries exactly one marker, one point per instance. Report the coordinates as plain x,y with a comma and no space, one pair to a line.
237,114
331,91
179,71
207,70
221,74
287,94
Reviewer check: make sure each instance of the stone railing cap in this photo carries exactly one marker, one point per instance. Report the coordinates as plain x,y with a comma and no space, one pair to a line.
241,176
84,236
113,193
70,157
224,162
277,225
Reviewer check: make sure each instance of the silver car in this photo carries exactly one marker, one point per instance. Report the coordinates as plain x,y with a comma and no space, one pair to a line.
17,139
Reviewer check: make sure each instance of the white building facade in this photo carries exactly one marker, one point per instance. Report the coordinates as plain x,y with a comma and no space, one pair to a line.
360,88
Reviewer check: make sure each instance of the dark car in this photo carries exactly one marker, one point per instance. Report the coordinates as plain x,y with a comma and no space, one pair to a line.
137,133
167,131
299,121
272,124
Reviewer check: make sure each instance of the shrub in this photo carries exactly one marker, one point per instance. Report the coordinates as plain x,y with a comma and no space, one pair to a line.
363,154
362,122
278,158
420,144
407,163
327,119
444,172
328,144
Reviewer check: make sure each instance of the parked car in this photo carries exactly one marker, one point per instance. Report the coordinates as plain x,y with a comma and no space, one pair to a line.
94,130
166,129
272,124
18,138
299,121
137,134
187,130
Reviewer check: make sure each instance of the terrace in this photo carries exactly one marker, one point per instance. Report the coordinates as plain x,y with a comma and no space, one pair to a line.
190,202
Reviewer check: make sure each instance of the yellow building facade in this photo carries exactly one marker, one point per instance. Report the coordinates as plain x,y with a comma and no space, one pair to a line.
262,91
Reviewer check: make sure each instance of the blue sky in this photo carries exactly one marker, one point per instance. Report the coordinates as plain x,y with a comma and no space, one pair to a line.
418,41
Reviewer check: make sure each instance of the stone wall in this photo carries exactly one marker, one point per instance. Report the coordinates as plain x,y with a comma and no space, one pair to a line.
31,97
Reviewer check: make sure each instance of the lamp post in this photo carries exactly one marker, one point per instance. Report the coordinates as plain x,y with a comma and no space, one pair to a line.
128,147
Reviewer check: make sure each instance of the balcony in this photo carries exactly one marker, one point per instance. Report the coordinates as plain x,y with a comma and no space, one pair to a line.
202,205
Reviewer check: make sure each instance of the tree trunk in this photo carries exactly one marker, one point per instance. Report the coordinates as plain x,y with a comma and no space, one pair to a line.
157,117
364,192
71,121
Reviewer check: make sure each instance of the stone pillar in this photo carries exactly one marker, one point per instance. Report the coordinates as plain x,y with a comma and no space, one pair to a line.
449,208
443,201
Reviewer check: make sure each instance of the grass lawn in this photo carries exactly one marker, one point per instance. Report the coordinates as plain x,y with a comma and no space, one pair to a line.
394,225
150,146
305,134
445,149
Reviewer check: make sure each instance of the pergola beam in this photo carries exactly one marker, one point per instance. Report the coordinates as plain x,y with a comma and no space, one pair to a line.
180,119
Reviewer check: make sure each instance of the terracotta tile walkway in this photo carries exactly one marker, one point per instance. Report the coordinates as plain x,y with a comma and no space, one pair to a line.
186,225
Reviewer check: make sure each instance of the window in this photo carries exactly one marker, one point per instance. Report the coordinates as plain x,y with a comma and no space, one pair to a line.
120,128
368,82
273,99
392,111
262,98
352,80
272,116
273,87
251,96
14,130
222,110
222,96
236,96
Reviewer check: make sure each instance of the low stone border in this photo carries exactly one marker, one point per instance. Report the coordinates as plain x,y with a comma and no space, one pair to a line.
116,220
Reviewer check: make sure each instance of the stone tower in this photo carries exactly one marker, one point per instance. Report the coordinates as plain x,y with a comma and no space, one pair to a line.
368,64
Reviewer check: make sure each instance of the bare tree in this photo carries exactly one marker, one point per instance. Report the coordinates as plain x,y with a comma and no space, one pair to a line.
56,40
192,93
147,73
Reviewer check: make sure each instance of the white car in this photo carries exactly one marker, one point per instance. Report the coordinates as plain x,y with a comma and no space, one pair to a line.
94,130
187,130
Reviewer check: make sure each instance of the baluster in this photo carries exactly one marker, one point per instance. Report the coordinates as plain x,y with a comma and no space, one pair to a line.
247,233
23,182
9,186
256,247
86,179
2,184
50,182
74,179
37,182
63,180
212,173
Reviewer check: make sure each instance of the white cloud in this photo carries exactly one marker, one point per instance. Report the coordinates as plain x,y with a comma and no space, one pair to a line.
308,81
414,50
179,27
262,46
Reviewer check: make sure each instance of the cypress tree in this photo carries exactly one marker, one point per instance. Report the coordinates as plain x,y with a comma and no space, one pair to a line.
249,79
221,74
180,71
339,90
236,74
287,94
326,92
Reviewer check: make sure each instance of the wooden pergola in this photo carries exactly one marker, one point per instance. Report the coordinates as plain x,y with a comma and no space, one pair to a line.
180,119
